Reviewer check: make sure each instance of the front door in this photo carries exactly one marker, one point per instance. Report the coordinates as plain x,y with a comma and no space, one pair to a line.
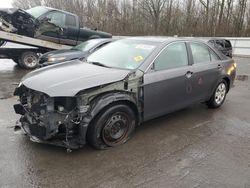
167,84
56,31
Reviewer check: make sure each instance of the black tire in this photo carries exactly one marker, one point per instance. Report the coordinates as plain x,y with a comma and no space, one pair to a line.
28,60
112,127
215,101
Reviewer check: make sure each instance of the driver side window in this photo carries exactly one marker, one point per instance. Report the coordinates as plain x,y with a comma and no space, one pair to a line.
57,18
174,56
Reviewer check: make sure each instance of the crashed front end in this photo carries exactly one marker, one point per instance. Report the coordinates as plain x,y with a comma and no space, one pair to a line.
17,21
59,111
52,120
13,20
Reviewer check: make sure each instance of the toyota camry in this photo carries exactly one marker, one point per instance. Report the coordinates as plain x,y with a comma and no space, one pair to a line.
120,86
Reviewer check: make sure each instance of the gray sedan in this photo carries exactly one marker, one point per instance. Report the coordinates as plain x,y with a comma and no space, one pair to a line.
119,87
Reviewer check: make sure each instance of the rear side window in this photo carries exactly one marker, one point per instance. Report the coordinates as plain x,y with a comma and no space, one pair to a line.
57,18
214,56
70,21
175,55
200,53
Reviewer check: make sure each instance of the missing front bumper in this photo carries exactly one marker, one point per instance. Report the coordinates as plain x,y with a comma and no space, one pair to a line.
36,134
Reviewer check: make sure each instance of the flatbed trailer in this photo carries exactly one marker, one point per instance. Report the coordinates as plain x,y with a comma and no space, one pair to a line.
26,57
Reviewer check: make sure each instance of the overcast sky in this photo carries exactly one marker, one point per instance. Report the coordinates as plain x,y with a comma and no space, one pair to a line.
5,3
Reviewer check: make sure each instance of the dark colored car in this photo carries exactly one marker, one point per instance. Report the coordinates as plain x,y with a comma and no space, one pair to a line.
120,86
48,24
78,52
223,45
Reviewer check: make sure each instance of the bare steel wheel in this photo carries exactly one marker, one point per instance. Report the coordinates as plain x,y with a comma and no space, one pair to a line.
112,127
115,129
28,60
219,95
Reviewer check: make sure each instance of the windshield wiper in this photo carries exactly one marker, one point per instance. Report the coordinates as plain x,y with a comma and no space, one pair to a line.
99,64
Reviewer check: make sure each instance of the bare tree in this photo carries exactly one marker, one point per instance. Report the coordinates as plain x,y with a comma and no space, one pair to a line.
153,10
26,4
157,17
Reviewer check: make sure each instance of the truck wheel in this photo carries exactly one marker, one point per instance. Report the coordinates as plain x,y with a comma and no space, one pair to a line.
112,127
28,60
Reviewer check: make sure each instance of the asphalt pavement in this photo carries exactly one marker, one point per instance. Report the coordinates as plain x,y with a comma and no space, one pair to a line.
194,147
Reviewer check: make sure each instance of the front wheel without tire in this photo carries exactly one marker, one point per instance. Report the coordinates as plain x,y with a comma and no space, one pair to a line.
112,127
219,95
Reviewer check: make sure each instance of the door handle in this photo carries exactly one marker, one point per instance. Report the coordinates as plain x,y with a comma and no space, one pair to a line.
219,66
189,74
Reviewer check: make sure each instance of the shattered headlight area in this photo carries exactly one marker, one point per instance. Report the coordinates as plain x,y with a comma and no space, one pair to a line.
57,121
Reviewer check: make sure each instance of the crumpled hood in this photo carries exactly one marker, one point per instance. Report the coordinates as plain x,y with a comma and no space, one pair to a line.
67,79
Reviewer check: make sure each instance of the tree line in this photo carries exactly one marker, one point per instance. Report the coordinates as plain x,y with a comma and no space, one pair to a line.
157,17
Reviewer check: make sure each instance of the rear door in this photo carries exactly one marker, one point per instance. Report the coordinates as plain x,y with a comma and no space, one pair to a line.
166,83
206,69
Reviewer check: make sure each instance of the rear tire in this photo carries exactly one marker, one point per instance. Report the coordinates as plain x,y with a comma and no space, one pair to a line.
112,127
219,95
28,60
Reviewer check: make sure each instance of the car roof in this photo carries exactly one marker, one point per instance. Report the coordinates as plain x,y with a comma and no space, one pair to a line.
156,39
153,39
207,39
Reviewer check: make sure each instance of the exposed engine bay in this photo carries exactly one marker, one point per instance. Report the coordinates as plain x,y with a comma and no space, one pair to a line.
63,121
20,22
45,118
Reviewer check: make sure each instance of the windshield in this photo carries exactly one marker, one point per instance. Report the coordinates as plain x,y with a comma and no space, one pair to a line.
86,46
37,11
124,54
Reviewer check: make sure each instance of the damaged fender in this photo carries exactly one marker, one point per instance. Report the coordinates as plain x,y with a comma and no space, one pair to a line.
103,101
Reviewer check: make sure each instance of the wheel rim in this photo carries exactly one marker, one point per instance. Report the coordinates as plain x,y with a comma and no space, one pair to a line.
30,61
115,129
220,93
